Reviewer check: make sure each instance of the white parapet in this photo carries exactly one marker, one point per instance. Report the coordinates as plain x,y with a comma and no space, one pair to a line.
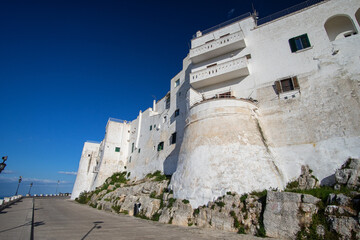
214,48
214,74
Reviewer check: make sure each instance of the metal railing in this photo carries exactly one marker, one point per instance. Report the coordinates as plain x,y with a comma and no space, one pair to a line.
287,11
228,22
90,141
117,120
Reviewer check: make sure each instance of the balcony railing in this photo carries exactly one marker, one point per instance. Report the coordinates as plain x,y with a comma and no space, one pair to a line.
287,11
224,24
219,73
218,47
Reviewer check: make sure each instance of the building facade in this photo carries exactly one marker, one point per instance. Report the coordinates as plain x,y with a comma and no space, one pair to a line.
253,102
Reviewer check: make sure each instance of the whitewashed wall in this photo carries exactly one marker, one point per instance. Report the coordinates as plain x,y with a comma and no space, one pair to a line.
85,173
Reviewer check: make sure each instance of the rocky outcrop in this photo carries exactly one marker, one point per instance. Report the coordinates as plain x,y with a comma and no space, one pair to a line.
286,213
232,212
305,181
348,175
333,214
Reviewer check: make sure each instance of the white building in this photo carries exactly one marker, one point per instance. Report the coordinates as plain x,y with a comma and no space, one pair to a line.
255,101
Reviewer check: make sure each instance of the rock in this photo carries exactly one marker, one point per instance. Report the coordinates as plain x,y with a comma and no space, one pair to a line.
222,221
203,218
320,231
284,213
182,213
343,200
344,226
149,206
348,175
339,199
340,211
306,180
111,187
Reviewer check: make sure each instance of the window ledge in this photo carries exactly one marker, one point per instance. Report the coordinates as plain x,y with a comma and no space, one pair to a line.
303,50
290,94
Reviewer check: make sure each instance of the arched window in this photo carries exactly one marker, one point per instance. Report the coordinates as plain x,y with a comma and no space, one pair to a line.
339,27
357,16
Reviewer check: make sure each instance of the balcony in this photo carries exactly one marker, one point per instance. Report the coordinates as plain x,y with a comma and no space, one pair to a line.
214,48
219,73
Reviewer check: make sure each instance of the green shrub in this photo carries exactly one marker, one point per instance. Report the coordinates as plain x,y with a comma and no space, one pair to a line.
170,221
243,198
321,192
292,185
220,204
156,217
261,231
259,194
116,208
153,195
93,205
125,212
196,211
171,202
118,177
241,230
157,175
230,193
83,198
185,201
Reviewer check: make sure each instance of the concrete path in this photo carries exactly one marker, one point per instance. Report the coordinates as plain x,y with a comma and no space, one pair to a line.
15,220
65,219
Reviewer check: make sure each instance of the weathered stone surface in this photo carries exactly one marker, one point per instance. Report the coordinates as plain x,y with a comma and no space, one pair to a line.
306,180
182,213
344,226
285,213
348,175
320,231
149,206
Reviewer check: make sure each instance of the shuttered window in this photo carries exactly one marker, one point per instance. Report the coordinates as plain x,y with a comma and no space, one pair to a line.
287,84
299,42
160,146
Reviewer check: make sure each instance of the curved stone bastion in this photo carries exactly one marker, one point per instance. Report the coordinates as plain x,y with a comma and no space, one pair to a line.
223,150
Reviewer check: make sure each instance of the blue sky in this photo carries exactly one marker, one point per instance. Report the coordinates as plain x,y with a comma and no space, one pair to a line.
67,66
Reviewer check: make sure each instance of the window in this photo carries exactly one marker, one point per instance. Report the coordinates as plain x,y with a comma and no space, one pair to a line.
89,155
225,95
150,127
117,149
167,103
132,147
287,84
160,146
129,160
139,150
173,138
299,42
177,112
177,82
164,119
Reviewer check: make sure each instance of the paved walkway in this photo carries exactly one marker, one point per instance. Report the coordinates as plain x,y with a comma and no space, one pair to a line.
65,219
15,220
